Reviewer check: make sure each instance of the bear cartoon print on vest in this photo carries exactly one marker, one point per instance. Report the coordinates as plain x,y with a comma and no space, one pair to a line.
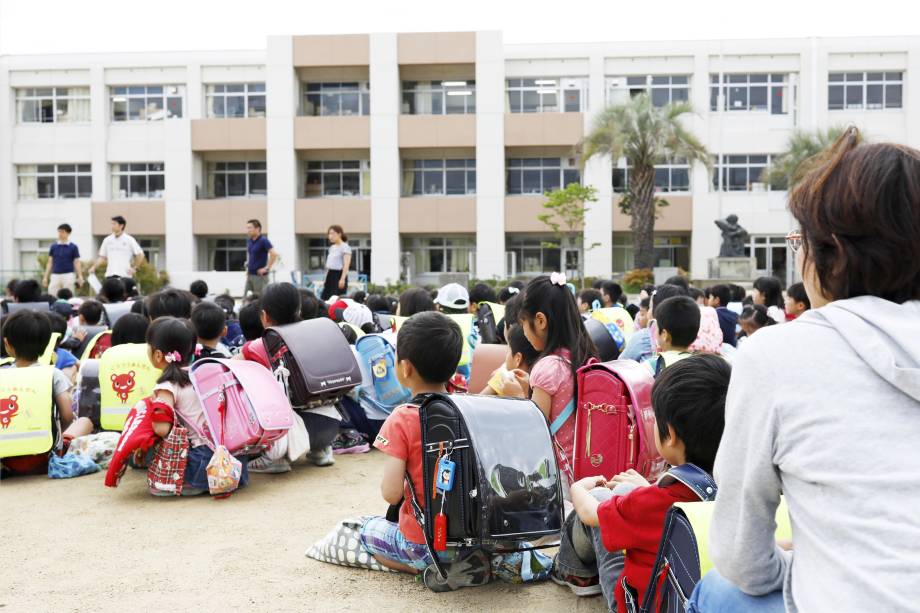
8,410
123,385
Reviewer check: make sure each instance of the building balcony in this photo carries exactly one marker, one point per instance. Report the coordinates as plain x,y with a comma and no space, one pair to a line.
437,214
315,215
221,216
335,132
543,129
433,131
331,50
236,134
676,217
147,217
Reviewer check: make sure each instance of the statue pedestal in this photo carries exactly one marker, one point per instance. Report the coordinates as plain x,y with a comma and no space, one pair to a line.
732,269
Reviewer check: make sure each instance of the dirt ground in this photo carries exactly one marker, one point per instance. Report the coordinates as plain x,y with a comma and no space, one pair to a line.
74,545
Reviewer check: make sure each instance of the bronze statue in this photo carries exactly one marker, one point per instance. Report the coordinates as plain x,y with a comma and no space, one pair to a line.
734,237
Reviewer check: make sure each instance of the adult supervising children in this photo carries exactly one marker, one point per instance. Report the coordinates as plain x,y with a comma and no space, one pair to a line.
119,251
260,257
337,263
64,267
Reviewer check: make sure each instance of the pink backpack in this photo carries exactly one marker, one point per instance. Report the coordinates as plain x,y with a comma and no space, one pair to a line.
614,421
245,408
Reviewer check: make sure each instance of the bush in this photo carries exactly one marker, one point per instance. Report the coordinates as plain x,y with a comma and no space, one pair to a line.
634,279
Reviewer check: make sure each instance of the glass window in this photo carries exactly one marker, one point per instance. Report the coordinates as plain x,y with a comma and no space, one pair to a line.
453,177
741,173
532,255
539,175
226,254
41,181
670,176
670,250
662,89
864,90
350,178
138,180
331,99
52,105
438,97
236,100
146,102
751,92
437,254
543,95
236,179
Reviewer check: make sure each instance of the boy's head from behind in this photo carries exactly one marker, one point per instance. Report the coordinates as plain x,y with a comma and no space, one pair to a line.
678,322
169,303
26,334
280,304
209,321
90,312
428,347
689,403
251,321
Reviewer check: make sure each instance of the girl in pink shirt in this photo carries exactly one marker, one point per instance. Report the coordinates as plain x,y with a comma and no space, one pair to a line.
553,326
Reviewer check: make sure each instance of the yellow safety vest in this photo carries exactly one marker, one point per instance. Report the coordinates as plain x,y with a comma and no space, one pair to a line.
50,357
498,311
617,316
26,411
464,320
357,330
700,516
92,343
125,377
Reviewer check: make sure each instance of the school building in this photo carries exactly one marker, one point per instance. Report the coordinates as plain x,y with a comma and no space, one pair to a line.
433,150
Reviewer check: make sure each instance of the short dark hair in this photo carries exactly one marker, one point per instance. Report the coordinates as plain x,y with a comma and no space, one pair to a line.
199,289
91,310
281,302
758,314
796,291
415,300
858,212
359,296
130,287
113,290
738,293
696,293
130,328
513,289
140,308
645,303
690,397
255,223
169,302
64,294
58,324
350,335
65,227
483,292
28,333
680,317
518,343
722,292
377,303
311,306
250,322
772,290
432,343
209,320
28,290
678,280
227,303
120,220
612,289
663,292
588,296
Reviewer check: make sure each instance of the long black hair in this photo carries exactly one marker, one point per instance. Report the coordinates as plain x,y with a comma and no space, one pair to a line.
564,326
772,290
171,334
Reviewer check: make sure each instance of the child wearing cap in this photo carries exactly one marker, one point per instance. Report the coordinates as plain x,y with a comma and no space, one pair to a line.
453,299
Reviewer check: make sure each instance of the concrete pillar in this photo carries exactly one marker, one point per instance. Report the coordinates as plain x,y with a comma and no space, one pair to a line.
598,236
490,156
100,120
9,257
179,242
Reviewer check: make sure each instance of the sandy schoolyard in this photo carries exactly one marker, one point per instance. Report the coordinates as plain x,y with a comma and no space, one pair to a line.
74,545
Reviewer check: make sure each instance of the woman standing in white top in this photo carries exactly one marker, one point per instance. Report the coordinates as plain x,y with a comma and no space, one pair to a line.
119,251
337,263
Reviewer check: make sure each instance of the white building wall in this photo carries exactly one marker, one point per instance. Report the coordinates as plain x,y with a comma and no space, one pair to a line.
490,156
598,233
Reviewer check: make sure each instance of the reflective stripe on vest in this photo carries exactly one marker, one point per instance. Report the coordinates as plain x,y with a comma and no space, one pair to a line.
48,358
26,411
617,316
125,377
464,320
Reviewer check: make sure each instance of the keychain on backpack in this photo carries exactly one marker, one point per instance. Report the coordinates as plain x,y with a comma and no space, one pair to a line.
444,483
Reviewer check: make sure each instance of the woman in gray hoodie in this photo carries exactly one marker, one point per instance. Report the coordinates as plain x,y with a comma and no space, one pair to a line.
825,410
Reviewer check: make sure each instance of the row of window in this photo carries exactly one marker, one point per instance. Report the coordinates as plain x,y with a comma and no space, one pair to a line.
772,93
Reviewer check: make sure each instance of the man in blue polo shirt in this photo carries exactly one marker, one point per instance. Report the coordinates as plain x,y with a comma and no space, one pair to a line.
64,265
261,256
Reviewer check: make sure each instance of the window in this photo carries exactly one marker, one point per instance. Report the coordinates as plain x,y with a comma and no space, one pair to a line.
146,102
751,92
438,97
439,177
669,251
670,176
325,99
29,251
236,179
740,173
531,255
539,175
662,89
236,100
39,181
318,248
771,255
52,104
440,254
153,251
337,178
546,95
226,254
138,180
864,90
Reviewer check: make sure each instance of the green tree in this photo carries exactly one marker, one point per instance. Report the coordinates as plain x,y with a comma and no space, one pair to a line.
788,167
645,135
565,218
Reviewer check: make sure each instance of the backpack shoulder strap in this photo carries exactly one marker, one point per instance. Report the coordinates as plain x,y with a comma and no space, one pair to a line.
420,518
693,477
563,417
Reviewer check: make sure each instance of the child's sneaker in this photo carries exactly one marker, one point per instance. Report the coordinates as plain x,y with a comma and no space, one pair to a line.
471,570
321,457
580,586
263,464
350,441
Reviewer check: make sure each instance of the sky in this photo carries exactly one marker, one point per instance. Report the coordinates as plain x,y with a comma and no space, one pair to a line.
73,26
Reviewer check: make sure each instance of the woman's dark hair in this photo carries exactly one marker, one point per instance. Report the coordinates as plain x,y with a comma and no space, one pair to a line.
588,296
415,300
690,397
28,333
518,343
758,314
169,303
377,304
564,329
250,322
113,290
311,306
169,334
772,290
130,328
796,291
338,230
281,303
858,210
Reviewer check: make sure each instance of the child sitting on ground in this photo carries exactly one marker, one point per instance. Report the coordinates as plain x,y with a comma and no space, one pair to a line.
251,322
64,360
589,300
689,403
753,318
210,325
521,355
130,328
678,323
797,301
428,348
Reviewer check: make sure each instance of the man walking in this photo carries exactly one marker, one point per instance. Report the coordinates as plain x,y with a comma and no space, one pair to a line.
64,266
261,256
119,251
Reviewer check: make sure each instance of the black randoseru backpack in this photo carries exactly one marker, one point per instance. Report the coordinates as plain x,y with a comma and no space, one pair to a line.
313,361
506,484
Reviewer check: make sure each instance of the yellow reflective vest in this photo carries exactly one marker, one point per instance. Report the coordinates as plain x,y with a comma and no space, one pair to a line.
26,411
464,320
125,377
49,356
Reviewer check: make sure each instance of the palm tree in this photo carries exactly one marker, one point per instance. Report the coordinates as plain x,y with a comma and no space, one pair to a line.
645,135
788,167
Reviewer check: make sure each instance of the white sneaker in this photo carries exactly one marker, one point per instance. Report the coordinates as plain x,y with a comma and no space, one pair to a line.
263,464
321,457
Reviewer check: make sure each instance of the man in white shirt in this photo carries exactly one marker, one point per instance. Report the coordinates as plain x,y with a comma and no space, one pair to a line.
119,251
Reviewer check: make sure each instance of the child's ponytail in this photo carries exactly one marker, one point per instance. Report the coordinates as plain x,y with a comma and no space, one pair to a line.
176,339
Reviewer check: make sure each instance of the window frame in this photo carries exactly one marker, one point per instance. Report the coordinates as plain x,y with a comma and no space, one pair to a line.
147,172
442,90
23,96
56,173
360,89
421,168
123,95
545,165
723,84
560,87
650,86
220,91
329,168
214,170
722,171
424,246
232,245
864,83
670,165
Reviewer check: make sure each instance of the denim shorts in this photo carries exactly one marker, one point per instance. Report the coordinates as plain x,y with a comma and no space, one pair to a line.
382,538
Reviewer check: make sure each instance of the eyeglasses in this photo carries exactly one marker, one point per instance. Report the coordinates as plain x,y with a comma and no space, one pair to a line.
794,241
